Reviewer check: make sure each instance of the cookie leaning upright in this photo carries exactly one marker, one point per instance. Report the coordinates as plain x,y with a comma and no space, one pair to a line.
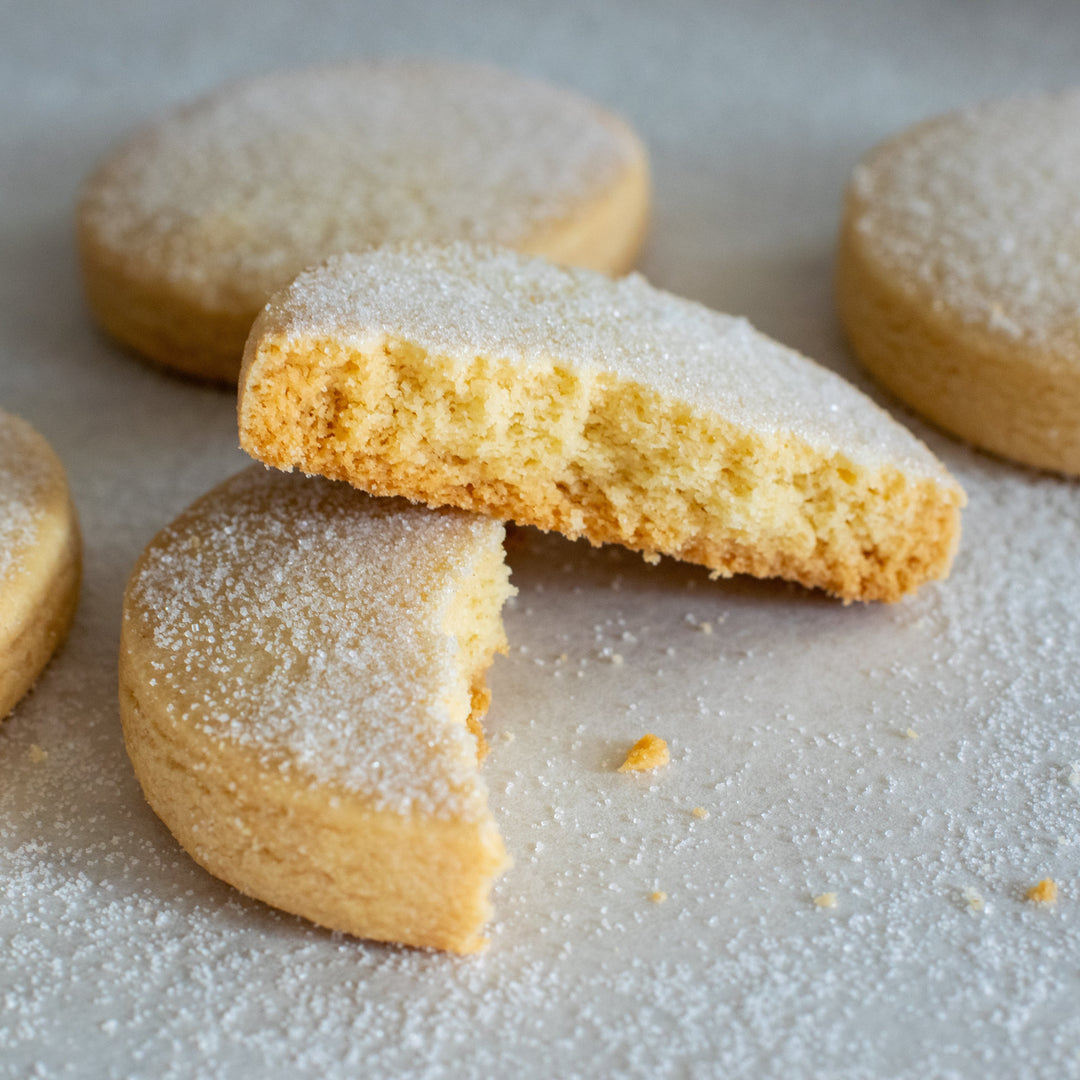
959,274
607,409
40,557
185,231
301,678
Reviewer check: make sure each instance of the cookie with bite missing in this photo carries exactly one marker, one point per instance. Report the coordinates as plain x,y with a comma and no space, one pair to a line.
301,678
959,271
185,231
483,379
40,557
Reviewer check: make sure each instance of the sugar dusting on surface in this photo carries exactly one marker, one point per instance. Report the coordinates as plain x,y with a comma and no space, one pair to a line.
305,619
24,477
928,844
982,208
268,176
459,302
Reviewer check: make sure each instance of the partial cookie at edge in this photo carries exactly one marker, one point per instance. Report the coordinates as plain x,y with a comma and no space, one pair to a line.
40,558
958,272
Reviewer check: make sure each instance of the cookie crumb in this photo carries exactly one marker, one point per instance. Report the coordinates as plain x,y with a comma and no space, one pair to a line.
658,897
36,754
910,733
826,900
974,900
700,812
1044,893
649,752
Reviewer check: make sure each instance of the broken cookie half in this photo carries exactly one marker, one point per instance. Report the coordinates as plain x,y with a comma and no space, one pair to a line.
490,381
301,674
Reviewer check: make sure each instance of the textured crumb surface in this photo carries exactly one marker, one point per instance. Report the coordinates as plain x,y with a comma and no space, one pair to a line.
480,378
121,959
649,752
1044,892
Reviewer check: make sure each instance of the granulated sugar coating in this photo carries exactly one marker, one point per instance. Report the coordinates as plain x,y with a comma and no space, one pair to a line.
309,622
982,208
268,176
24,477
185,231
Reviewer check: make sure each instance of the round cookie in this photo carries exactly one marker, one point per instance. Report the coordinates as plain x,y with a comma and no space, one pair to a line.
40,557
301,675
959,271
185,231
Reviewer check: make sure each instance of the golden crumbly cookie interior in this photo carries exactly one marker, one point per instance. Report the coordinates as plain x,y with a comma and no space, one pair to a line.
958,274
40,558
607,409
185,231
302,668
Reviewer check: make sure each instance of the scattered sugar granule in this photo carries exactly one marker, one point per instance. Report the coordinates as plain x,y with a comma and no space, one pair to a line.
36,754
700,812
658,897
973,899
826,900
649,752
1074,774
1044,893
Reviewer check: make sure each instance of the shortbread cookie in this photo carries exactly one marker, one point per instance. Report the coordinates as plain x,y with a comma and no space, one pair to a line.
186,231
299,664
606,409
959,273
40,557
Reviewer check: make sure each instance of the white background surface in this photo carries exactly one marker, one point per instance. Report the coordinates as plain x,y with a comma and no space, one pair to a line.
119,957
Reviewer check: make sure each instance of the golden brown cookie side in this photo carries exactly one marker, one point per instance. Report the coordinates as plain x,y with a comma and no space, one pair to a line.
1015,401
310,849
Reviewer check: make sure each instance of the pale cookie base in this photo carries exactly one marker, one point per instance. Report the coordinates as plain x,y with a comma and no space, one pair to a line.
330,851
40,592
1017,401
180,277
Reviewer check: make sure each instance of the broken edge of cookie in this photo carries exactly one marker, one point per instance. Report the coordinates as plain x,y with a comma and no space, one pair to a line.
289,754
606,409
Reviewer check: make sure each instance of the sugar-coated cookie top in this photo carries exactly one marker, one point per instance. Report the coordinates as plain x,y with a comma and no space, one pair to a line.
981,209
28,474
268,176
305,619
462,301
